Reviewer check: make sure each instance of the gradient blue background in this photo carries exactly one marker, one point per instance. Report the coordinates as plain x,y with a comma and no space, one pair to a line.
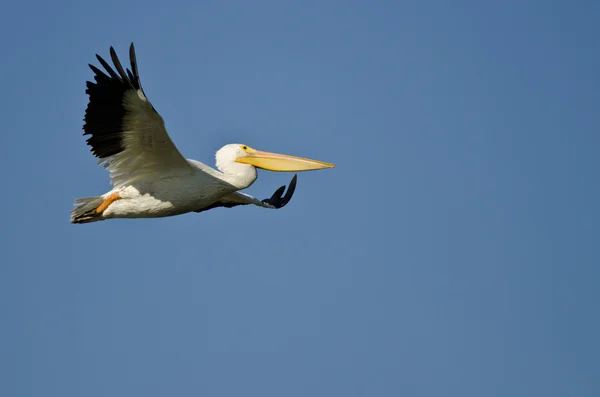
452,252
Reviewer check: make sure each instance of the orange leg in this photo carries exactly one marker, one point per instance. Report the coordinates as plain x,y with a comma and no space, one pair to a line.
107,201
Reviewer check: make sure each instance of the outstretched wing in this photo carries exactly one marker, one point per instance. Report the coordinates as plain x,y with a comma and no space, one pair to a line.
277,200
126,132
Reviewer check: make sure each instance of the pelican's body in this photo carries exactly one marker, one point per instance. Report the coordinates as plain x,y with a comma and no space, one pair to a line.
150,176
167,195
173,193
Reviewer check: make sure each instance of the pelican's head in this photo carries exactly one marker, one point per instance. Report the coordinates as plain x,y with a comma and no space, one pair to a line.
243,155
241,160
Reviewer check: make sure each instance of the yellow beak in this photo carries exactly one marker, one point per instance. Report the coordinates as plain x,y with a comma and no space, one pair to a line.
281,162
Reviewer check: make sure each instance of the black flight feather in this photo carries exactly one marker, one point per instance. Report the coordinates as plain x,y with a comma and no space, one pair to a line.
276,200
105,112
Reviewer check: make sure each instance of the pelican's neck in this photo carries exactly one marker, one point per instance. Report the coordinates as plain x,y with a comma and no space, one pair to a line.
239,175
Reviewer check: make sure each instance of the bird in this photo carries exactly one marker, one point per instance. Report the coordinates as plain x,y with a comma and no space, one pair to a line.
150,177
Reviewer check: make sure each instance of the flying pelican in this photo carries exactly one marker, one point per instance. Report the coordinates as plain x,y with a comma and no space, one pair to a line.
150,177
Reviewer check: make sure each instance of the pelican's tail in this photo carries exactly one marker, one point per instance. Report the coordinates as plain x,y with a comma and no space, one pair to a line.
84,210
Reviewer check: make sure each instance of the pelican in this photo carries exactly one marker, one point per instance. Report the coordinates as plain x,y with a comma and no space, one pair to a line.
150,177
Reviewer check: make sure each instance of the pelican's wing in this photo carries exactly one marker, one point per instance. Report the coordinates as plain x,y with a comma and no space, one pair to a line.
127,134
277,200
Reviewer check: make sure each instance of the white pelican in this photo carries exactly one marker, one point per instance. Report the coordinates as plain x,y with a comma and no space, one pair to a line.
150,176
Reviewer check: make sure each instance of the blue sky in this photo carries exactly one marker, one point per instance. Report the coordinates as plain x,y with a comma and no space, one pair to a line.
453,251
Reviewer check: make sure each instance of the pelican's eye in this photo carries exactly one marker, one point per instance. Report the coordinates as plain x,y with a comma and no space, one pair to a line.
245,148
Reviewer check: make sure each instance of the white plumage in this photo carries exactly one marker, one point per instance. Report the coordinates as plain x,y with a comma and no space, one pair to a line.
151,177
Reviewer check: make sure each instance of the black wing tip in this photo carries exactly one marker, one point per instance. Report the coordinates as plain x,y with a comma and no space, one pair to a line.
135,77
118,66
97,72
278,199
290,191
103,119
130,78
279,192
293,182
